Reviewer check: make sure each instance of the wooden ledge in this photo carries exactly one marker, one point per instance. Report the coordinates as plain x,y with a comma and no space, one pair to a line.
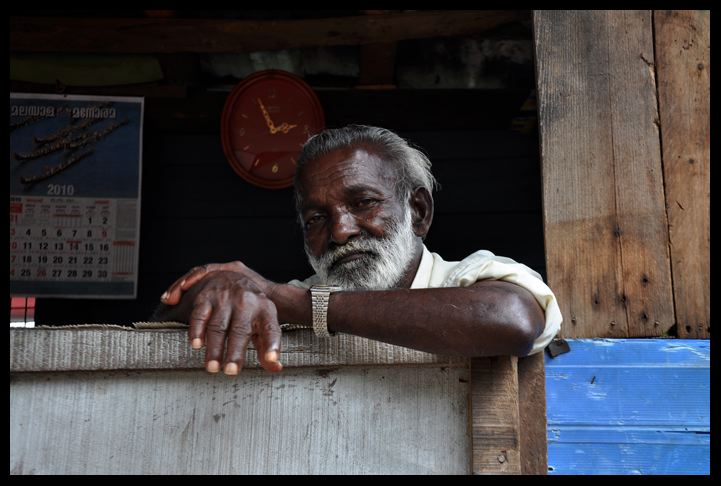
148,35
114,348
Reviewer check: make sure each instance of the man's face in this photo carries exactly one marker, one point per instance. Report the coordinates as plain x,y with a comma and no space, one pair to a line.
358,235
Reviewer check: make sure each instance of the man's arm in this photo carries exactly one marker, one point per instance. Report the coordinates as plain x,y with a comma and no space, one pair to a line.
488,318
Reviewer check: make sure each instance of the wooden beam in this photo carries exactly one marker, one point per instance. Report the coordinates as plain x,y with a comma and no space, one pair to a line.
683,77
94,347
144,35
147,90
605,222
495,435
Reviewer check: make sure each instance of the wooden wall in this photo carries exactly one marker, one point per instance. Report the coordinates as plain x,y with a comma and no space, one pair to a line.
196,210
625,203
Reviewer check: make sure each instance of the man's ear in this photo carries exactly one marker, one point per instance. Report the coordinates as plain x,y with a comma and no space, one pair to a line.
421,202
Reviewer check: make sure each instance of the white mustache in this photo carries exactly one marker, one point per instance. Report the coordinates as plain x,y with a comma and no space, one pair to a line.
361,244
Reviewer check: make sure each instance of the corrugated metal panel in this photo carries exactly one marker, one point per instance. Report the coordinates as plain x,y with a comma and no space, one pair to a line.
629,406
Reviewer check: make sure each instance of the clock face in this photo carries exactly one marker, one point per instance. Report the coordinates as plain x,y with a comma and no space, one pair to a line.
266,120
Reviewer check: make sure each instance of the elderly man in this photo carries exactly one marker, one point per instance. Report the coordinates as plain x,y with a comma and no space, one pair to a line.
364,199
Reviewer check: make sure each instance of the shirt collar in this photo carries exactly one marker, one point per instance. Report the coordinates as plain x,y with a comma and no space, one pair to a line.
423,275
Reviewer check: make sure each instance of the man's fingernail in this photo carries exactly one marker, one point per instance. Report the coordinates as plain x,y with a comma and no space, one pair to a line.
213,366
197,343
271,356
164,297
231,369
182,284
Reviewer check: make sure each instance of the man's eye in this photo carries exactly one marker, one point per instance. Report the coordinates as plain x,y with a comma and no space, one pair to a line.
313,220
365,202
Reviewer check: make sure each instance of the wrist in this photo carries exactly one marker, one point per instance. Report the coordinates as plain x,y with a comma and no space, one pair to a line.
292,303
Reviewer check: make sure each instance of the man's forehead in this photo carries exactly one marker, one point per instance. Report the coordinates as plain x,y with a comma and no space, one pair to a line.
348,163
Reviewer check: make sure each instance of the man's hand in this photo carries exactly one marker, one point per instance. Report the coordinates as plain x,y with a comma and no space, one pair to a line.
174,293
229,305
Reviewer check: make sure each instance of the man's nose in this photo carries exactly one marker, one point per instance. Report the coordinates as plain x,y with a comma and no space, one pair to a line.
343,228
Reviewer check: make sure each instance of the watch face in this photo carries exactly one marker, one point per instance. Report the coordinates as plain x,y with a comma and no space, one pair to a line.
266,120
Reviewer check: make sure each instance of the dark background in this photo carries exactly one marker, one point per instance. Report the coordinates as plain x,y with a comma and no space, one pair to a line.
481,140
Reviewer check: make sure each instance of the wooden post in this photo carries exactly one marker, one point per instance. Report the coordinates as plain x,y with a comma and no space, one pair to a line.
495,420
532,414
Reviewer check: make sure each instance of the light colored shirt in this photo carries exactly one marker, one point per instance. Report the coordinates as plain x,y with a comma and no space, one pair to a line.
434,272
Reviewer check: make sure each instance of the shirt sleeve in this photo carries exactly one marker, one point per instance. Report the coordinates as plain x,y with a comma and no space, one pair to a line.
483,265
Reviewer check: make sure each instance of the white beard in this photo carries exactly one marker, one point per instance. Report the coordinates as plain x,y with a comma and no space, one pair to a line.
381,268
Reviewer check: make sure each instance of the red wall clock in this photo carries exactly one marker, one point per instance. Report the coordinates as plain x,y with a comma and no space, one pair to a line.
266,120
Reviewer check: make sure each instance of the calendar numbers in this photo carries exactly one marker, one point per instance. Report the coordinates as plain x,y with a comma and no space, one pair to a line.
60,190
67,240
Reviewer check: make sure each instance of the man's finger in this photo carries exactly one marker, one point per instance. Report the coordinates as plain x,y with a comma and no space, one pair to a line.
175,292
215,334
239,335
171,295
267,339
269,360
202,310
197,274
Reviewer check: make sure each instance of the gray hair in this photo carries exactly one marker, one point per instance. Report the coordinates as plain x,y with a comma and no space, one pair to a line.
413,169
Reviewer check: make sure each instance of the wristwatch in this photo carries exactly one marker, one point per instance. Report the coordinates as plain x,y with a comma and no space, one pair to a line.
319,297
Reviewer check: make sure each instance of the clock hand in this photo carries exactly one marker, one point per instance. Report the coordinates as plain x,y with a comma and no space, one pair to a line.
268,121
285,128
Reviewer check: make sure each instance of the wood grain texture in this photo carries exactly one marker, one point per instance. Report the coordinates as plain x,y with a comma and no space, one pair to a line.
495,435
605,222
115,35
532,414
63,349
683,70
328,421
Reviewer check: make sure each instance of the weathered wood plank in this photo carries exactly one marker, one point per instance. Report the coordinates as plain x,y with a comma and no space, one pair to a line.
495,435
605,223
642,224
359,420
150,35
63,349
683,77
582,254
532,414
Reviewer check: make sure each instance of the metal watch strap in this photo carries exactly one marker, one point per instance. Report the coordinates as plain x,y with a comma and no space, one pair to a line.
320,296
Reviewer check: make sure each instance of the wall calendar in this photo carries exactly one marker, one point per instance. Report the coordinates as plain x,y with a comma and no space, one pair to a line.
75,174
